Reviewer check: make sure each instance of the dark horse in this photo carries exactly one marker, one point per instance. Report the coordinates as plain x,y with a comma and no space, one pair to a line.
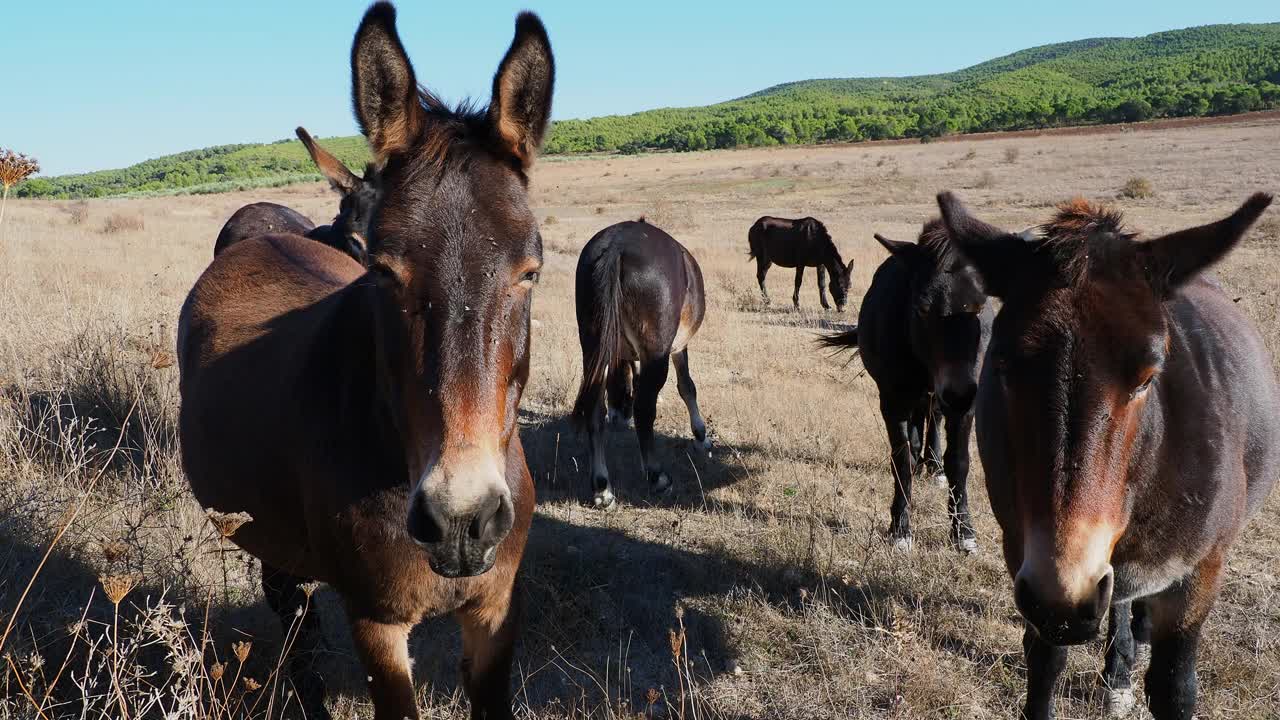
348,231
799,244
366,419
640,301
1127,422
922,329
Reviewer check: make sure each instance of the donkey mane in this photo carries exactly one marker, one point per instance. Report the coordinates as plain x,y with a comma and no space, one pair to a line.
936,241
1084,237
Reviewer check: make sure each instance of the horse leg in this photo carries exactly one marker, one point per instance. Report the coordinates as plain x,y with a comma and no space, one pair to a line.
653,375
489,633
304,640
955,463
1117,683
384,650
795,296
762,269
1176,616
933,442
822,287
898,425
1045,663
689,393
620,398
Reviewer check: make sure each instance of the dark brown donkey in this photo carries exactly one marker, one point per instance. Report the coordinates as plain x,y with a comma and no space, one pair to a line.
1128,425
799,244
923,327
640,301
349,230
366,419
261,218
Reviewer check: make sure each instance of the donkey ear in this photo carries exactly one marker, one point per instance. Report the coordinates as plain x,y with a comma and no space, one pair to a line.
895,247
997,254
848,270
340,178
520,109
1175,258
384,90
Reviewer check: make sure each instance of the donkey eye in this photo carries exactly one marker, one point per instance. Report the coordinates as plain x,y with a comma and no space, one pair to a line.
1142,388
530,278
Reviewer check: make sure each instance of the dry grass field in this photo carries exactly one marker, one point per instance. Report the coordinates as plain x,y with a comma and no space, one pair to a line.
768,561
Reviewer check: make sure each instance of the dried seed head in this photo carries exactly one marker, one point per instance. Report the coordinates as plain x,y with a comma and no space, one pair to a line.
308,588
241,650
228,523
117,586
250,684
217,671
653,697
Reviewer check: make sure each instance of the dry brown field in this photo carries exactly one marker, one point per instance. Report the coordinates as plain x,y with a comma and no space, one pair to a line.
768,562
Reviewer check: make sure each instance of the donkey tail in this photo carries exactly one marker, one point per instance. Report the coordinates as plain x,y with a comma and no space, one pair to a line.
840,342
599,327
755,240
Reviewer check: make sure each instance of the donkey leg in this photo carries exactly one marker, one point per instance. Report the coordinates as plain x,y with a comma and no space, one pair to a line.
601,495
955,462
898,426
762,269
1045,663
933,442
653,375
1117,684
1176,616
1141,632
918,424
689,393
303,637
822,287
620,398
384,650
795,296
489,635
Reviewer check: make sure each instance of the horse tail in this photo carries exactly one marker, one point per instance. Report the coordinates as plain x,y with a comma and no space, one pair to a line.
840,342
599,325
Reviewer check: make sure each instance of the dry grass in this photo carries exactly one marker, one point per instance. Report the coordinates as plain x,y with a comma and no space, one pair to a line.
766,566
1137,188
123,222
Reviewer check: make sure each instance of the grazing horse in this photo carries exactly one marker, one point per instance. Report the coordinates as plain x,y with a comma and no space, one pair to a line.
640,301
799,244
922,330
349,231
1127,423
261,218
366,418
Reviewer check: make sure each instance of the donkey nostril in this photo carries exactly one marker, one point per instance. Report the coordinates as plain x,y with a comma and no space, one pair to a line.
493,521
1023,598
423,526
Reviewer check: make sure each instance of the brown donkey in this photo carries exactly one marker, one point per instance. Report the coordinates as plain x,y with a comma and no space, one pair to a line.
1127,420
639,299
366,419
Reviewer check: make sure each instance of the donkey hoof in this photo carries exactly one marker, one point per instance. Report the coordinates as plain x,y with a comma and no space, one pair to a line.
967,545
661,483
603,500
1119,703
619,421
940,480
904,543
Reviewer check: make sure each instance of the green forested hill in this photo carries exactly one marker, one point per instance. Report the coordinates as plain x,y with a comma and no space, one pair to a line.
1211,70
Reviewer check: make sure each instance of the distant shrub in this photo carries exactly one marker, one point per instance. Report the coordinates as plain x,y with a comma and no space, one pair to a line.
77,212
550,220
985,180
120,222
1137,188
1011,155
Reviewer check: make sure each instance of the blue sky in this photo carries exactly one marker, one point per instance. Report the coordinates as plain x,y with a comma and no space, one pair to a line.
94,85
